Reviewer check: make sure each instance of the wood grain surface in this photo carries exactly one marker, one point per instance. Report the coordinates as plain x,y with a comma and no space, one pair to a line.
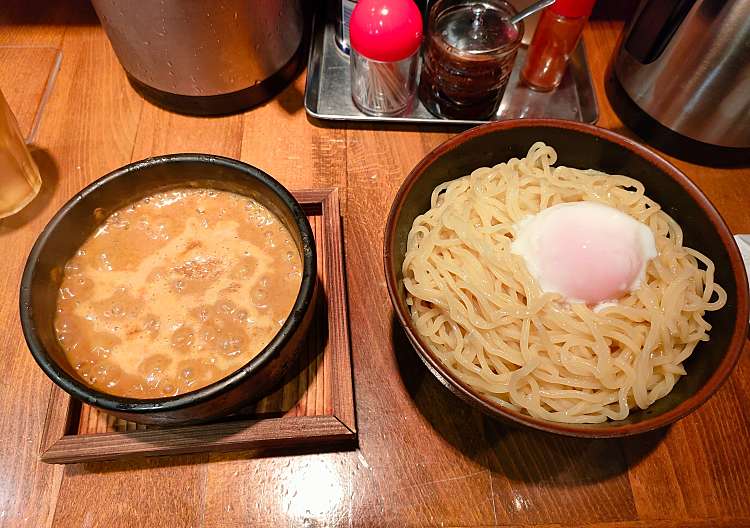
424,458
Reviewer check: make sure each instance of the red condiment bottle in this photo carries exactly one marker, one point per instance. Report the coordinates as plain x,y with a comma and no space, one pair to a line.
555,38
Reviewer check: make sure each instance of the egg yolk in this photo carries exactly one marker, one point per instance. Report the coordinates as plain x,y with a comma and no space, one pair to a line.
586,251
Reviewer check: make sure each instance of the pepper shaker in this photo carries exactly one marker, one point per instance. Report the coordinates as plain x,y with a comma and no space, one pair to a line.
557,34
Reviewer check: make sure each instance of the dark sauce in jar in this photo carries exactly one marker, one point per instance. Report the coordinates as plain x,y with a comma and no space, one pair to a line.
468,58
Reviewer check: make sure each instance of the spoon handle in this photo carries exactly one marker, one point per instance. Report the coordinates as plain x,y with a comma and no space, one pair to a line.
530,10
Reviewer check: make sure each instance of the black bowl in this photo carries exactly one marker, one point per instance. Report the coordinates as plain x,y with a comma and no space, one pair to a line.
584,146
79,218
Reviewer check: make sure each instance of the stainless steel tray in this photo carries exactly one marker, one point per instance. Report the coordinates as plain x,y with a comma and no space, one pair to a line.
327,94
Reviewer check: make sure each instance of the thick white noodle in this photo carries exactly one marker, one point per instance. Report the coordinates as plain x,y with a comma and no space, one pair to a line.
487,320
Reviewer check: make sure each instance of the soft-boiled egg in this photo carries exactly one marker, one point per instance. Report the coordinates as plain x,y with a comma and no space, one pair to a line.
585,251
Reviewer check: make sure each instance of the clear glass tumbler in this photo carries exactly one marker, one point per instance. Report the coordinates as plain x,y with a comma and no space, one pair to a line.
19,176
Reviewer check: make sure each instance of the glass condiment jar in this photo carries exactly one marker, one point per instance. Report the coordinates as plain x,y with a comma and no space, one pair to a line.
469,54
385,37
556,36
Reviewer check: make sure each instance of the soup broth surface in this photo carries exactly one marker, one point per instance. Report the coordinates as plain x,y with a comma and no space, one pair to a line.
175,292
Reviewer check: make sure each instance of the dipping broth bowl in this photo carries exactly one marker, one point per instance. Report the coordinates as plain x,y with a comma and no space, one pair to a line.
88,209
584,146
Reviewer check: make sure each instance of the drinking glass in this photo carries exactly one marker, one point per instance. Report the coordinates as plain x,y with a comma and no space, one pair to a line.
19,176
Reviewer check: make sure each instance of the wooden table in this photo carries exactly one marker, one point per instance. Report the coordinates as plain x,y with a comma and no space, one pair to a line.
424,458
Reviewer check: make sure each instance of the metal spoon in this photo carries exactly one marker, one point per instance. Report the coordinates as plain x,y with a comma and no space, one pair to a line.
533,8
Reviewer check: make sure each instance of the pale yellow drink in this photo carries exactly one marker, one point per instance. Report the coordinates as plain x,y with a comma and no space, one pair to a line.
19,175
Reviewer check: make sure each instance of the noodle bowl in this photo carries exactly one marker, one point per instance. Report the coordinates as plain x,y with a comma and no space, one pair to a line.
486,318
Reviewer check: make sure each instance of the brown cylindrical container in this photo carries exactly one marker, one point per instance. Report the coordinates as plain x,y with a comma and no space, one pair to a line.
208,56
468,57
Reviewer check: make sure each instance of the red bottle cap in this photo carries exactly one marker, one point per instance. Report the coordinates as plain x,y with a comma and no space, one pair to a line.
572,8
386,30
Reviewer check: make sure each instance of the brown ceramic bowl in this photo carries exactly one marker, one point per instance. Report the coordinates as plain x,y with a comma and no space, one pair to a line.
584,146
80,217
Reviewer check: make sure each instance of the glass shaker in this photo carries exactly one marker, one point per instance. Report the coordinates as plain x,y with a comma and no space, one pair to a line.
344,11
556,36
385,36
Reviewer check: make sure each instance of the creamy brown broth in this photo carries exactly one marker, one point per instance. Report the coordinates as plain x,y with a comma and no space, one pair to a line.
176,291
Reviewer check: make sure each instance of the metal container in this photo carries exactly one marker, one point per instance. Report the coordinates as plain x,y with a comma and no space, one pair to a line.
207,56
681,77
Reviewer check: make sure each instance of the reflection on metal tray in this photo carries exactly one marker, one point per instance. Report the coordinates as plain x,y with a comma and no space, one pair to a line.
327,94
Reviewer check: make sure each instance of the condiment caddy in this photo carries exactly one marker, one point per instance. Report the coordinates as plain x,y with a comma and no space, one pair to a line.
328,93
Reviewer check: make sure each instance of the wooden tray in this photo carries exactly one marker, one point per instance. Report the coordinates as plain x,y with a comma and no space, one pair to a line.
313,408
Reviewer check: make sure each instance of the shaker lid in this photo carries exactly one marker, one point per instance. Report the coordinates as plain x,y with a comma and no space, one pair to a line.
572,8
385,30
